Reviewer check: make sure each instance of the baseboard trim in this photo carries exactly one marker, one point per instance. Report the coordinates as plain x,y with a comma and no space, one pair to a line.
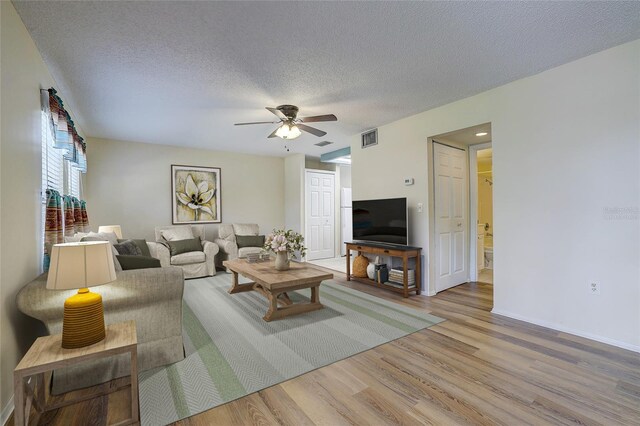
6,412
557,327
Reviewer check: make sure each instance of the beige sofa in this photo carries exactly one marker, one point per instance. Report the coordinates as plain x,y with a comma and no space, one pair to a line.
227,240
152,297
195,264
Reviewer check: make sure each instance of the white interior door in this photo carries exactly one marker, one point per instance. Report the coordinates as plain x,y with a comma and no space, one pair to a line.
451,221
320,215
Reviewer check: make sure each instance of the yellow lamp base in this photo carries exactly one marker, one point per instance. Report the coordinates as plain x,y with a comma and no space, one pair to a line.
83,323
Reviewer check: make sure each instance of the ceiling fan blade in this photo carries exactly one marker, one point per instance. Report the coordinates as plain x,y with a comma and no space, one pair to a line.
256,122
273,134
277,113
316,118
311,130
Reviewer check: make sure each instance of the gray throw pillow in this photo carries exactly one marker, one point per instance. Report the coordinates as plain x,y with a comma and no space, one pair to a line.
142,245
128,247
184,246
250,240
137,262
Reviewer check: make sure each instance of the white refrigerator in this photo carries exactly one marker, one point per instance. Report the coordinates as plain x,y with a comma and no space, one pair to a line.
346,219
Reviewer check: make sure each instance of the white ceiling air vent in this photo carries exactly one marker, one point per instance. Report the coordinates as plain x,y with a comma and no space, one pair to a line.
370,138
323,143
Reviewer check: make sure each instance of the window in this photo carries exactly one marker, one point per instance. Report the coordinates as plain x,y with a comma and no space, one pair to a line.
74,182
57,173
52,161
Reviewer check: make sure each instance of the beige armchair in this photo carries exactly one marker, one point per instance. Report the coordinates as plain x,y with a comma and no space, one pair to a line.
227,240
195,264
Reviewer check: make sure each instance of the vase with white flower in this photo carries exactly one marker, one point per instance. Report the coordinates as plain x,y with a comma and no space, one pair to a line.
285,244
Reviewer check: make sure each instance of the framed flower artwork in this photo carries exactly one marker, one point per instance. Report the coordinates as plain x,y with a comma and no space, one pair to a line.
195,194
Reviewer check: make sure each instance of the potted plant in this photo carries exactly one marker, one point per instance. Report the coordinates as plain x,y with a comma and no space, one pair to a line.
285,244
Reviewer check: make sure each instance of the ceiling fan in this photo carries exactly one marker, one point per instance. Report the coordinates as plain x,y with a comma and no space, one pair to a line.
291,125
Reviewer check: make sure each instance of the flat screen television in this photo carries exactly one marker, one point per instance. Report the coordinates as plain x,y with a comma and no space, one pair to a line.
382,221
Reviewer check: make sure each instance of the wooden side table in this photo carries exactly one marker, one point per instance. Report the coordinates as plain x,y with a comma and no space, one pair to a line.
46,354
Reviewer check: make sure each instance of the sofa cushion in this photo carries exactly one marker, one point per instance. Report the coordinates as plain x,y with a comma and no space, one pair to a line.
184,246
137,262
250,240
245,229
142,245
244,251
177,233
128,247
188,258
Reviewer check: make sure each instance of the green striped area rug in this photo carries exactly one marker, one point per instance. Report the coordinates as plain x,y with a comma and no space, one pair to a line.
232,352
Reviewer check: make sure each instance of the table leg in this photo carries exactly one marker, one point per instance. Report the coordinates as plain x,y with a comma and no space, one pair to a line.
315,294
135,402
348,264
405,281
236,287
418,273
18,413
273,306
284,299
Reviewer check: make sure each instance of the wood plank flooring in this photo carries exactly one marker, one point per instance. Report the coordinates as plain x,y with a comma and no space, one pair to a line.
474,368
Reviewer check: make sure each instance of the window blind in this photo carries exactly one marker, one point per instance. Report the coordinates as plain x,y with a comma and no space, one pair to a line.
52,161
73,181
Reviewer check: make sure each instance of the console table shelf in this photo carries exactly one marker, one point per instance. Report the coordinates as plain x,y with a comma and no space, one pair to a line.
403,252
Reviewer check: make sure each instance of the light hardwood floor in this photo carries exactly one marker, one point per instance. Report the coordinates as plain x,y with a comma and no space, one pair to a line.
474,368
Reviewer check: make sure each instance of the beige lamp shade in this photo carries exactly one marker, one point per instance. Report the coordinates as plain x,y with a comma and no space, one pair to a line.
116,229
80,265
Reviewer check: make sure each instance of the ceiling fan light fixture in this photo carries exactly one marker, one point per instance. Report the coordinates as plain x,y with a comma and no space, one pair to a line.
288,131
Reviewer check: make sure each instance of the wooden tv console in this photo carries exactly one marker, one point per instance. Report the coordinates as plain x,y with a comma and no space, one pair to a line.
403,252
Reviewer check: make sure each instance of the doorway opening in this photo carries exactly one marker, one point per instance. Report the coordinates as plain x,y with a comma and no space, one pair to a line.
460,208
482,157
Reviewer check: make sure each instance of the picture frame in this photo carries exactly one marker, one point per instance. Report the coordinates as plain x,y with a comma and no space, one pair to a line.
195,194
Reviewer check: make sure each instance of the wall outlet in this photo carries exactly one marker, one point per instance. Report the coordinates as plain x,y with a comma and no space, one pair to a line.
420,207
594,288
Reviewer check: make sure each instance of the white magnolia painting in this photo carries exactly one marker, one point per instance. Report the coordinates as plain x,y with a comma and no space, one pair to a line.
196,194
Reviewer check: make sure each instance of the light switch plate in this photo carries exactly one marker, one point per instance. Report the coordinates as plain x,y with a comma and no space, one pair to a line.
408,181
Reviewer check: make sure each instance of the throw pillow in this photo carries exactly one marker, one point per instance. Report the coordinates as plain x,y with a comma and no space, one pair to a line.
142,245
250,240
184,246
128,247
177,233
137,262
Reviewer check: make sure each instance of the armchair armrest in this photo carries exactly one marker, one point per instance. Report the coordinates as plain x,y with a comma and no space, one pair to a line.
131,290
210,249
160,252
229,248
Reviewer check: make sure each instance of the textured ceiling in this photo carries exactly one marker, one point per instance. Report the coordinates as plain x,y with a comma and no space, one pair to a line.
182,73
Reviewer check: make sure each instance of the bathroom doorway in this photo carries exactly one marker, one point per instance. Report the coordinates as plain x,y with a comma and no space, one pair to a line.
481,210
473,226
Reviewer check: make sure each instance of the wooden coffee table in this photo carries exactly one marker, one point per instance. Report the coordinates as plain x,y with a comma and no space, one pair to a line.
274,285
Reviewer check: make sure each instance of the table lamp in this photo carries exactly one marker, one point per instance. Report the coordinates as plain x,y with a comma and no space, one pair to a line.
116,229
78,266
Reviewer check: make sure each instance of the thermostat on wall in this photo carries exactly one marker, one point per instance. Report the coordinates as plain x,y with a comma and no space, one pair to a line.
408,181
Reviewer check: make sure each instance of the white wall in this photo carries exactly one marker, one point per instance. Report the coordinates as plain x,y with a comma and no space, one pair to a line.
23,75
294,192
581,122
129,184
